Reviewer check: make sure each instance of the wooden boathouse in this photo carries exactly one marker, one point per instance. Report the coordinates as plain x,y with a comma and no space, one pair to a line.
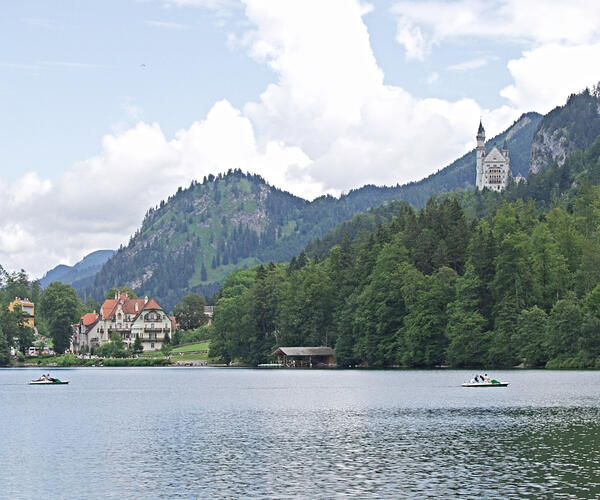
305,357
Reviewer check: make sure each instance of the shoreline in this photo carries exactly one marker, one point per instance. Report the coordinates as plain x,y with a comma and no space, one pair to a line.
199,364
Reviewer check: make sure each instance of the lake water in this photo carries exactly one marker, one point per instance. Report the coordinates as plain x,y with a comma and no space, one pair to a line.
222,433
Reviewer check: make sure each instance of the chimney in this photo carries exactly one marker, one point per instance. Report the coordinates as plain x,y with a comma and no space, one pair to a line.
145,300
137,306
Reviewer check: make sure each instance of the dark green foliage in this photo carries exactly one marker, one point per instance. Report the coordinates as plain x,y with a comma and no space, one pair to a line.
13,331
4,349
112,292
138,347
190,312
532,337
115,348
61,308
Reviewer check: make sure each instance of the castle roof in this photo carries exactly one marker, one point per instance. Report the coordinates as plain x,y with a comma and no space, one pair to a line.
481,130
494,155
504,146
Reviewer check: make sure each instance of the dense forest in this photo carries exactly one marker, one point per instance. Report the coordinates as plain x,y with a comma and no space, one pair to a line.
473,279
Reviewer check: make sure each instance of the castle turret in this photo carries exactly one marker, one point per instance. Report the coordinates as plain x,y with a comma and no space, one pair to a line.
505,150
480,154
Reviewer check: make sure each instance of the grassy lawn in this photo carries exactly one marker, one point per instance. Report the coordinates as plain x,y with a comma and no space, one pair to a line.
191,352
190,356
201,346
198,351
152,354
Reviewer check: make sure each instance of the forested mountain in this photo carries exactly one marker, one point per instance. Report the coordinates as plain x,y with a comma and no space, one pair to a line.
198,236
202,233
504,279
81,274
566,129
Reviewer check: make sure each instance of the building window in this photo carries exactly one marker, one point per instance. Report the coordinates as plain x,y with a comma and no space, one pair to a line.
152,345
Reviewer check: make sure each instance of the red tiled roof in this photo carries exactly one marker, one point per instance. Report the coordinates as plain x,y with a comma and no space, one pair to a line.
128,305
152,304
89,319
108,306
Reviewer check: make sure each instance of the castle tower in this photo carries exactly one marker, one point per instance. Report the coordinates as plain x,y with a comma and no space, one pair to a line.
505,150
480,154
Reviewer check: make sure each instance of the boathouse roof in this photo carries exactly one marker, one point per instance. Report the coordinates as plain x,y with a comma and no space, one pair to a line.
304,351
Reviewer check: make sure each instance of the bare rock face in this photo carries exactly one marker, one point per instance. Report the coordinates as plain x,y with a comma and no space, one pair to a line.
547,147
518,125
565,129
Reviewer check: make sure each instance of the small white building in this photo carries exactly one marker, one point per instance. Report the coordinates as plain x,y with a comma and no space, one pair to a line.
129,317
493,168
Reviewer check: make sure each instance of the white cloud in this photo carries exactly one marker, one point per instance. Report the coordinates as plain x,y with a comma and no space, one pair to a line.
15,239
327,124
331,101
432,78
167,25
543,77
412,39
422,24
478,62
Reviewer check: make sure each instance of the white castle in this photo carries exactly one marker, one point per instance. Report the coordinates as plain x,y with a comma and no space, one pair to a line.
493,169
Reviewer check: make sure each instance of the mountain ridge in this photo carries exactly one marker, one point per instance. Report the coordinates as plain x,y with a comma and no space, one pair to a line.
79,274
195,238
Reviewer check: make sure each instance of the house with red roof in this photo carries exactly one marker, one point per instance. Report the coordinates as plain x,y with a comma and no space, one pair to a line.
130,318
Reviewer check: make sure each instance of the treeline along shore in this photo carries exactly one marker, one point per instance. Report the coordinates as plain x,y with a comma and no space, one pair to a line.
474,279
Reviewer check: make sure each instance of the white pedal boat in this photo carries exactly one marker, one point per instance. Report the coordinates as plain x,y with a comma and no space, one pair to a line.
494,383
48,382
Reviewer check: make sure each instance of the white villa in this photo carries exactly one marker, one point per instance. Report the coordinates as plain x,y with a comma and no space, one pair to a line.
493,168
130,317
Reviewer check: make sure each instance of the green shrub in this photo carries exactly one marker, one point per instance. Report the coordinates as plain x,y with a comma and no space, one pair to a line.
197,335
136,362
578,362
68,360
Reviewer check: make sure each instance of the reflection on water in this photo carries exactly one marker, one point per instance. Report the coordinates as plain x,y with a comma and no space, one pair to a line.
210,433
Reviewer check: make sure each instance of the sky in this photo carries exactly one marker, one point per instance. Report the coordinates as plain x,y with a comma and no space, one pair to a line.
108,106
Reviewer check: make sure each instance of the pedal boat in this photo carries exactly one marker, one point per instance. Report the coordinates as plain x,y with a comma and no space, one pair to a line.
493,383
48,382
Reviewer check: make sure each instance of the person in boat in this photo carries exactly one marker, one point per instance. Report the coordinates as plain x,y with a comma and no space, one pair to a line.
487,379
